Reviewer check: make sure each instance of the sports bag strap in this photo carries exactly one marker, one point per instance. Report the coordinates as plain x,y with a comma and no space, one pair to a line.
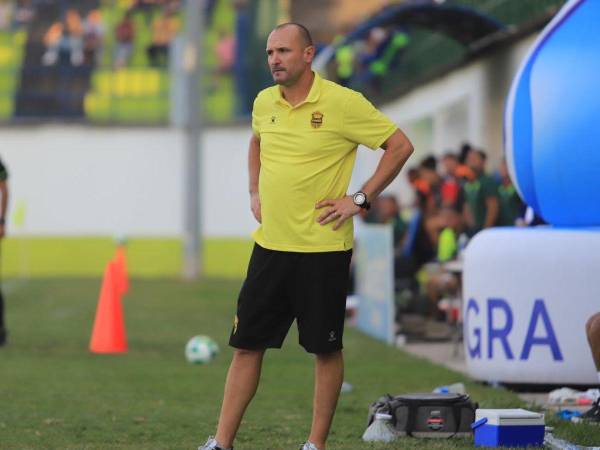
411,419
457,413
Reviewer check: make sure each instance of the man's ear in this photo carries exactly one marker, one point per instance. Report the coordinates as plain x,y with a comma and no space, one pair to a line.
309,53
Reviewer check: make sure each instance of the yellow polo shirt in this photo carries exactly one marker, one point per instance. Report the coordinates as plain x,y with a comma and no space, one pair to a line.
307,154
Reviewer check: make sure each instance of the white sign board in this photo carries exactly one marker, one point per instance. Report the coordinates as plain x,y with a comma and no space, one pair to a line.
375,281
527,296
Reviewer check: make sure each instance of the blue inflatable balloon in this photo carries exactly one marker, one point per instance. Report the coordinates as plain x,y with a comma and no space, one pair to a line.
552,119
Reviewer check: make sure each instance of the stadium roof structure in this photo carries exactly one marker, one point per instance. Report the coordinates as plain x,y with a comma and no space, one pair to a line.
465,25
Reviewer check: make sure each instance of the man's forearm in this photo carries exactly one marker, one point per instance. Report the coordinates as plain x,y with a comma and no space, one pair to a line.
253,164
4,201
395,156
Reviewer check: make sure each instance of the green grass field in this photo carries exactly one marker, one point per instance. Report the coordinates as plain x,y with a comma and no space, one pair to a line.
56,395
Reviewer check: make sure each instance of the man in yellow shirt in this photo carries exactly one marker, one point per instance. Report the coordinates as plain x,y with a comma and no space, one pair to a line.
301,156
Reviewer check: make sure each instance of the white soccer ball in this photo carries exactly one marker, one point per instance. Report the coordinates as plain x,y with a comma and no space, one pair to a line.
201,350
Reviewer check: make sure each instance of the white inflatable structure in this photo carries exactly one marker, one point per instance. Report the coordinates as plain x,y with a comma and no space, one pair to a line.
528,293
527,296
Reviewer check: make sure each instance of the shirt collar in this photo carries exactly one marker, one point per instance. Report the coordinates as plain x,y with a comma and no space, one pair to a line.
312,97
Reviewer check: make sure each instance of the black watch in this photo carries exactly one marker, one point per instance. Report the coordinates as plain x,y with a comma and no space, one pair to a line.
360,200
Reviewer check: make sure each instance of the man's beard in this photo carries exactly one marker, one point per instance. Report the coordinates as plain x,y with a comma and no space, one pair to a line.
289,81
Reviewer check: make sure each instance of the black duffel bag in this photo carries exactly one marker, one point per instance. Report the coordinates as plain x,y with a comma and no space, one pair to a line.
429,415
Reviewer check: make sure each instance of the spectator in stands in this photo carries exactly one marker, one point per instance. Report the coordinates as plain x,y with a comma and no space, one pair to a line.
419,185
481,195
24,14
512,208
442,282
431,204
432,200
465,148
412,174
451,188
344,63
6,10
387,210
386,56
93,38
373,46
345,58
74,28
225,51
209,12
64,41
452,225
172,6
145,7
52,40
164,29
124,37
418,247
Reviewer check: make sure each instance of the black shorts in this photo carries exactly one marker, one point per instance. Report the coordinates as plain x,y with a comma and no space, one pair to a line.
283,286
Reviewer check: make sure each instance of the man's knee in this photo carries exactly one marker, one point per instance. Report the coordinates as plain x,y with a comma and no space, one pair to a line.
592,327
328,357
240,353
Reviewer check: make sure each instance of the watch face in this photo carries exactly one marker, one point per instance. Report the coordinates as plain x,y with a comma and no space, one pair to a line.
359,198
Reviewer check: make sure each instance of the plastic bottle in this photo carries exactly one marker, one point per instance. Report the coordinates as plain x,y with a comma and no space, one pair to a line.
380,430
456,388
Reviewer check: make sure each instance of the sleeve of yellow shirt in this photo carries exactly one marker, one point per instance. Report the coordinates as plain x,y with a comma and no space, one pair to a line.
255,115
364,124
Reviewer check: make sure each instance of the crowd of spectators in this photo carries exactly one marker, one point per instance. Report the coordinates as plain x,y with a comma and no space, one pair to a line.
164,29
366,62
16,15
77,41
455,197
74,40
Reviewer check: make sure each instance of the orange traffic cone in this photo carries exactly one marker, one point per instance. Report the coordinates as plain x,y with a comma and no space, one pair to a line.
108,335
122,279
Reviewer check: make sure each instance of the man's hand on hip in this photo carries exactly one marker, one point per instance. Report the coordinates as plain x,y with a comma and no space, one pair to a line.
339,210
255,206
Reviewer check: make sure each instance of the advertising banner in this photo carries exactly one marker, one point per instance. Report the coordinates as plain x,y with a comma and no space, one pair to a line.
374,261
527,295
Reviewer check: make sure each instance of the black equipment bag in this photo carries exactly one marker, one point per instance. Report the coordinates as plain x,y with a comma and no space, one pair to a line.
429,415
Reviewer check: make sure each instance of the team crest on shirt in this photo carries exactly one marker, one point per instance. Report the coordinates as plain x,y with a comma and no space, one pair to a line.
316,119
273,119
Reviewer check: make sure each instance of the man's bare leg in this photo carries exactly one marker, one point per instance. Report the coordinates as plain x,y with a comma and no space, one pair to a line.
592,329
240,387
329,375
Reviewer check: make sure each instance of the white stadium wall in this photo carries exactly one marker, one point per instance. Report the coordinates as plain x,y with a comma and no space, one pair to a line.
72,180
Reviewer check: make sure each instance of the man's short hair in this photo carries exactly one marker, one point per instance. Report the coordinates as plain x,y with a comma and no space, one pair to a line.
464,149
304,33
450,155
429,162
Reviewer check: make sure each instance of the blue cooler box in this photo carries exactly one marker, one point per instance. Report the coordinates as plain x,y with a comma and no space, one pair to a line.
508,428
